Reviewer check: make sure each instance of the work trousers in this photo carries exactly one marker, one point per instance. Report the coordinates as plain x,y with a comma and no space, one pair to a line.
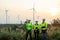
44,35
36,34
28,33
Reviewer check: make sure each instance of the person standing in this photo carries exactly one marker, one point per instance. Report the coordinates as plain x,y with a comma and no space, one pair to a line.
44,27
29,29
36,30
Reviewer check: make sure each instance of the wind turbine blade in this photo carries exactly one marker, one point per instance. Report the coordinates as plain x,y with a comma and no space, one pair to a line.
30,9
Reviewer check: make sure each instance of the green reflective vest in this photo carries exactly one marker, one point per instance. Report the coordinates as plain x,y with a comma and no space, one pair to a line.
28,26
36,26
43,26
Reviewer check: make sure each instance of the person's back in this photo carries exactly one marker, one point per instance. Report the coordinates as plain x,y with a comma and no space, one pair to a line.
28,26
28,29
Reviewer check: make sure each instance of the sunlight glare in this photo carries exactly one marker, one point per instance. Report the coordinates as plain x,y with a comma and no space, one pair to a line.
53,11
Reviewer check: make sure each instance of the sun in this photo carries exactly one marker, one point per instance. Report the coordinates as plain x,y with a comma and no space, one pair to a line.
53,11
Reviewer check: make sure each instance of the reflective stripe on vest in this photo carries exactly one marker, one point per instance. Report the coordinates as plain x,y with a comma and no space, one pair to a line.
36,26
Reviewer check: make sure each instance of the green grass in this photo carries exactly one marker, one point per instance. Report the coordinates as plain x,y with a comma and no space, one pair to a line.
21,36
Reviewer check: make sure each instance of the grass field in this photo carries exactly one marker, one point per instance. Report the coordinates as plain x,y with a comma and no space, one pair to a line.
19,34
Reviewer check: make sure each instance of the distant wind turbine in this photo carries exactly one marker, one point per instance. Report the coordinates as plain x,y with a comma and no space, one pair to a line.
18,19
6,11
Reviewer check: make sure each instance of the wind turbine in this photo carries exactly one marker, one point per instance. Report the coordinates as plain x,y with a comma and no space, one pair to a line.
18,19
6,11
33,12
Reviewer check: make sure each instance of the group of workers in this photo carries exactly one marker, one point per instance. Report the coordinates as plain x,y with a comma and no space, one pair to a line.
36,27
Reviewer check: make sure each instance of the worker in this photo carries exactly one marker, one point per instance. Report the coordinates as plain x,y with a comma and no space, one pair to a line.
28,29
36,30
44,27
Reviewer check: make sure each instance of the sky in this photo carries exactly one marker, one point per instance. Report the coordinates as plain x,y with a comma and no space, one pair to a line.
22,9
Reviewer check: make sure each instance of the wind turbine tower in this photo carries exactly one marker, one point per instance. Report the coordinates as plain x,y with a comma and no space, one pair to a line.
33,12
6,11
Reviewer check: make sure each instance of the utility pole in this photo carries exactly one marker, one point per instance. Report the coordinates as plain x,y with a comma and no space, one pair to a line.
6,15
